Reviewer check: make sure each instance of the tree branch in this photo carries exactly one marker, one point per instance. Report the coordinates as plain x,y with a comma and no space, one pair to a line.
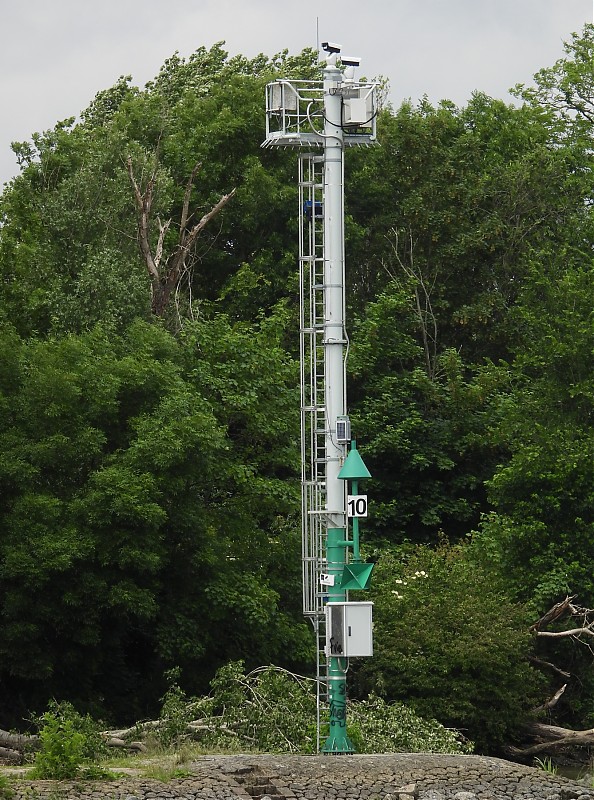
552,701
540,663
143,205
189,185
557,611
570,632
199,227
422,299
177,260
162,233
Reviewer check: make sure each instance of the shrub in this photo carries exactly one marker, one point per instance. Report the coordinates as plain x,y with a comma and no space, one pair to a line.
6,790
176,712
397,728
68,740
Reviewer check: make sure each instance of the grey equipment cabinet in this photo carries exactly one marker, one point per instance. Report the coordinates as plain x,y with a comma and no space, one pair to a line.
349,629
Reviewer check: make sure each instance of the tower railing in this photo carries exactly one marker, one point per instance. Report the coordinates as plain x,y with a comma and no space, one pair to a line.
295,113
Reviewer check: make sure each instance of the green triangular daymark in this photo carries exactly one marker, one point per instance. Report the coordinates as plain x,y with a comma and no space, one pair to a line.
356,576
354,468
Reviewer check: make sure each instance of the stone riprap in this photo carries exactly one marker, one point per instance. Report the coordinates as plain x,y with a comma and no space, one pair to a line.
404,776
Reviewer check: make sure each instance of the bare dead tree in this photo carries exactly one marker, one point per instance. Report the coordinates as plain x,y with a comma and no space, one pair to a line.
165,272
422,289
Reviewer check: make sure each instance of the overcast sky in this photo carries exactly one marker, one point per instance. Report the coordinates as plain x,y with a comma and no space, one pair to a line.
55,55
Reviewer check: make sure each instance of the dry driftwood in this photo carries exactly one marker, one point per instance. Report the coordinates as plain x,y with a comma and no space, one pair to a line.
552,737
137,747
574,622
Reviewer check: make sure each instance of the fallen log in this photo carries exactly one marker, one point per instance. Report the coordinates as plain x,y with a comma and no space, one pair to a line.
9,756
14,745
137,747
137,729
18,741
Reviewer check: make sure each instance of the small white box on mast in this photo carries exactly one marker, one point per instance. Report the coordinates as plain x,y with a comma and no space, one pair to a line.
343,430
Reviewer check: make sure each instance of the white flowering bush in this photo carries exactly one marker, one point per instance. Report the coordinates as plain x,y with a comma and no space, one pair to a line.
400,583
450,644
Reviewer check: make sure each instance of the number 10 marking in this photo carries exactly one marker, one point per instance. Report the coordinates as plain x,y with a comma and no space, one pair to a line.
357,505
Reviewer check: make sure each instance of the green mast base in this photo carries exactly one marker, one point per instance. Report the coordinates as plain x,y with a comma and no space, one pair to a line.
338,742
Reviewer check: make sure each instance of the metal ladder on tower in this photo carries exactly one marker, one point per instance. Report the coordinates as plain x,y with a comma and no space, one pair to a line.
313,406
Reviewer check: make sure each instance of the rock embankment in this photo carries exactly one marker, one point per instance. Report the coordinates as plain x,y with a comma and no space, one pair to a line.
404,776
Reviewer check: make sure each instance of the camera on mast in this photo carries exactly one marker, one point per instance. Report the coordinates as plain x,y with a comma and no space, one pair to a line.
331,47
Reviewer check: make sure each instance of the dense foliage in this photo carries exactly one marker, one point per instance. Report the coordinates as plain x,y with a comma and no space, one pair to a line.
145,478
149,493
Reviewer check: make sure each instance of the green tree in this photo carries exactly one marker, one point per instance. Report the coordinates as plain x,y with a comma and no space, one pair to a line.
567,88
443,241
146,509
543,496
459,199
424,436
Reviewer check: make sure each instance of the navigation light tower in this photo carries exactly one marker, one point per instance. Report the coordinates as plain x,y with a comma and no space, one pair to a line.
327,116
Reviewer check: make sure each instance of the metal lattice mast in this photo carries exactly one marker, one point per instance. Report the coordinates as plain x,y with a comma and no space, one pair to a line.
330,114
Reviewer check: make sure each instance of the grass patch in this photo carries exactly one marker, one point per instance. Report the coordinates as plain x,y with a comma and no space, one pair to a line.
6,790
165,773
